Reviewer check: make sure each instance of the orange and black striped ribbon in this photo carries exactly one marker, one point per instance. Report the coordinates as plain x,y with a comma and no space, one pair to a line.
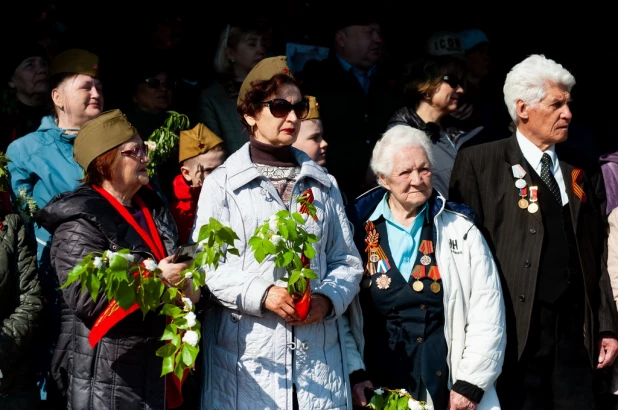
578,176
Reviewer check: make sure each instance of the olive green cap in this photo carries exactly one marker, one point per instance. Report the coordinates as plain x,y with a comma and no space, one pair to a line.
264,71
102,133
76,61
196,141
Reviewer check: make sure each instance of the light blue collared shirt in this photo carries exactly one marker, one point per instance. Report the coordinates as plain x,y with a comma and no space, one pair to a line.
363,79
533,155
403,242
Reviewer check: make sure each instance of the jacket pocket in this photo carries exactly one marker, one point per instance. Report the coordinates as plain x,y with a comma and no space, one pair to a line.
227,334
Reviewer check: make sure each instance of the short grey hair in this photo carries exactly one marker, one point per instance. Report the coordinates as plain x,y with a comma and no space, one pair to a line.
528,81
392,141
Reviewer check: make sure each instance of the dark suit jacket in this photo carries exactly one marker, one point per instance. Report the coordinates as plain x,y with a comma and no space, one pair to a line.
482,178
352,121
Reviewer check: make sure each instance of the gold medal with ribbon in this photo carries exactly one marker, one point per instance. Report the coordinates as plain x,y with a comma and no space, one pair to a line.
376,258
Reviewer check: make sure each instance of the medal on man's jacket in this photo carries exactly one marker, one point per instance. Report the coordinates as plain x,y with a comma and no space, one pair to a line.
533,207
520,184
377,262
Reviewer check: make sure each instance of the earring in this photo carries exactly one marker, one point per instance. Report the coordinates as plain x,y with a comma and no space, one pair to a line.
232,60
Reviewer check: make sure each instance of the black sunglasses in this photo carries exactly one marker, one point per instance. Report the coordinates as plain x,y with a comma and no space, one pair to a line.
156,83
452,80
280,108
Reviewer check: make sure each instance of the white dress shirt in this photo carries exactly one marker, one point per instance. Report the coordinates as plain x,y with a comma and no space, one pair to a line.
533,155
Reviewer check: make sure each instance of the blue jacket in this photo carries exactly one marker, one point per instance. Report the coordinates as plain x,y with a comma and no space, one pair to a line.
42,163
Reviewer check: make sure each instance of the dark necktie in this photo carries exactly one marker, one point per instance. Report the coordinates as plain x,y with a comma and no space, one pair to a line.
548,177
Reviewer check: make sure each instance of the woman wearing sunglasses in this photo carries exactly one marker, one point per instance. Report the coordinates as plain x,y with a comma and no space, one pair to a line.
257,351
432,87
113,209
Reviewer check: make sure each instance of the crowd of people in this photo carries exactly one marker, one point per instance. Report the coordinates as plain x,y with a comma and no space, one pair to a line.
463,253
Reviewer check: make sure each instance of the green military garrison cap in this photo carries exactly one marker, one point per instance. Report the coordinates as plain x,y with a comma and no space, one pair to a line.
76,61
264,71
102,133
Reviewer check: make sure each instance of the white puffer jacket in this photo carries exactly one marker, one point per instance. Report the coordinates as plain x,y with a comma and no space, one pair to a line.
249,361
475,327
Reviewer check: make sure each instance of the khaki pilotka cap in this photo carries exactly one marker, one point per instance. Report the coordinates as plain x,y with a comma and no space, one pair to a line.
314,109
102,133
75,61
264,71
196,141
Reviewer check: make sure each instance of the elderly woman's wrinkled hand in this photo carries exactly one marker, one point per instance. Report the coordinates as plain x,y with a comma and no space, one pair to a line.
320,307
459,402
280,302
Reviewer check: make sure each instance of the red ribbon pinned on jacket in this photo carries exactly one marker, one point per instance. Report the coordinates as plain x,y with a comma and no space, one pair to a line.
114,313
578,176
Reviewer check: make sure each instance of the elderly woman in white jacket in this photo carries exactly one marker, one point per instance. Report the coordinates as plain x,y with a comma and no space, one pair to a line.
432,303
258,353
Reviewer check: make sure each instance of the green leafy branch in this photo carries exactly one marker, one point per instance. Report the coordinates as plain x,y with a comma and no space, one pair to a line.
164,140
284,238
4,172
389,399
118,277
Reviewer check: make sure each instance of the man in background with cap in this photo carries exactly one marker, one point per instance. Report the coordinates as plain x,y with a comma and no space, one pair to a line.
481,104
24,91
357,97
200,152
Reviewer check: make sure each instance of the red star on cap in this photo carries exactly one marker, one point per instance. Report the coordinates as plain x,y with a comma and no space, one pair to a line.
201,145
286,70
95,67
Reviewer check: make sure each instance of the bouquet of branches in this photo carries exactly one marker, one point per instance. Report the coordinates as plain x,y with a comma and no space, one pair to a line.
130,286
164,140
284,237
388,399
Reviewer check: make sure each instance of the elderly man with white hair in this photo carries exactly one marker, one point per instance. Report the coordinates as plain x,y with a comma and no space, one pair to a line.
541,207
431,297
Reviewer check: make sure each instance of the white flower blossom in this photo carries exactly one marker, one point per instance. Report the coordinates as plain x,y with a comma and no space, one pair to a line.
428,407
378,391
130,258
402,392
150,265
190,338
189,275
151,145
276,239
97,262
188,304
272,223
414,405
190,319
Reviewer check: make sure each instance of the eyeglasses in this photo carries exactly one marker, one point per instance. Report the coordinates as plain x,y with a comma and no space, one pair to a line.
136,152
280,108
156,83
452,80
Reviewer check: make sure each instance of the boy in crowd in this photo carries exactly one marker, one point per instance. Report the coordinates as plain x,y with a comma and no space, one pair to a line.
200,152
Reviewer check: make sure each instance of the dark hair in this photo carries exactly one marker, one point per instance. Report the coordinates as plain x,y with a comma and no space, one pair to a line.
259,92
100,169
424,76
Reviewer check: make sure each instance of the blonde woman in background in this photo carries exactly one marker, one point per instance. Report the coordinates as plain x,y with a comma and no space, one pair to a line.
240,48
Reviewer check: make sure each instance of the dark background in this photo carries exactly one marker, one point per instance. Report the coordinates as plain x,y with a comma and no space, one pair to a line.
581,36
